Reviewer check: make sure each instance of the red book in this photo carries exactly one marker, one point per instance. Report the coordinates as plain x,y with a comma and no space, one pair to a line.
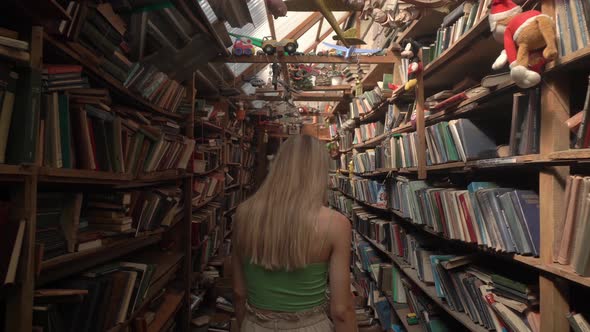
61,69
468,220
451,101
91,134
398,240
441,210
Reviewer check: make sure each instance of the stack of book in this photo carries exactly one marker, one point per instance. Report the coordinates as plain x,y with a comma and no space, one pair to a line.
368,131
13,47
369,191
206,158
204,221
345,140
396,117
489,299
572,21
364,162
57,215
399,151
461,139
232,199
12,234
233,153
340,202
505,219
578,322
62,78
454,25
155,208
570,247
365,103
206,188
79,129
109,212
99,298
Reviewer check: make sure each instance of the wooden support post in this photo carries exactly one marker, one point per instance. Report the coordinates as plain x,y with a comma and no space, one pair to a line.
421,148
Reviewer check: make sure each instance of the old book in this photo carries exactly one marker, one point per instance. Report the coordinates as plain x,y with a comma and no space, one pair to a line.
570,219
8,78
23,135
12,236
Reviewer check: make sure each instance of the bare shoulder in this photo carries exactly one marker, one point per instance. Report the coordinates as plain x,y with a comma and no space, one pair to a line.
336,222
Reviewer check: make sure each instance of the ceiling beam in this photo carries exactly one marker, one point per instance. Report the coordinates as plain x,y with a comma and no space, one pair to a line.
297,97
265,59
317,36
296,33
344,87
326,34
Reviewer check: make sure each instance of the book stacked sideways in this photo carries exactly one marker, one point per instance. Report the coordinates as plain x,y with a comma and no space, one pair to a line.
206,158
205,188
205,221
570,247
12,234
73,222
365,103
11,46
368,131
504,219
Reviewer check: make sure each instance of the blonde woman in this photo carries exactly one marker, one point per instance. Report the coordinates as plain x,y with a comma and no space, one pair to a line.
288,244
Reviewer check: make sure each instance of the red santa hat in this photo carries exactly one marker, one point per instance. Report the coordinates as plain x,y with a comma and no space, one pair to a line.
502,9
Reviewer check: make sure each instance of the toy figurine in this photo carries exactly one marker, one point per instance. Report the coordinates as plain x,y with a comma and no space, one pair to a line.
415,67
276,70
529,41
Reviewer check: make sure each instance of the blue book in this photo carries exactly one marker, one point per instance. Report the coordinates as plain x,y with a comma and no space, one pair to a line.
473,187
527,208
434,261
476,142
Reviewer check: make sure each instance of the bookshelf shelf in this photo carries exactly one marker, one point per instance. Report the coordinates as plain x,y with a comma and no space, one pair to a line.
315,88
71,175
345,150
207,125
376,112
572,154
402,313
118,86
427,289
21,57
377,173
371,143
14,172
362,59
580,58
167,175
169,307
205,202
233,186
61,266
446,70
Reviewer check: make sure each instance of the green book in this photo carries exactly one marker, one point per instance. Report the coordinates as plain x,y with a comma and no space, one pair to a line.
448,142
509,283
425,56
387,78
471,17
65,131
24,126
135,151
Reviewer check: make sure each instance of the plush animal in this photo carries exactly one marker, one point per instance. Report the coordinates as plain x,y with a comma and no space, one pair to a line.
529,41
410,51
277,8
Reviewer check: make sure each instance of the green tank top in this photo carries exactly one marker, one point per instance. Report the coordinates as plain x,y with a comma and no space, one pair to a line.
287,291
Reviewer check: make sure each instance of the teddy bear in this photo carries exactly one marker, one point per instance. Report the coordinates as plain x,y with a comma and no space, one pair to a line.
529,41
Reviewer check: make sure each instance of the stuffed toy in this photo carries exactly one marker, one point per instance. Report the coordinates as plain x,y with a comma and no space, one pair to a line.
529,41
415,66
277,8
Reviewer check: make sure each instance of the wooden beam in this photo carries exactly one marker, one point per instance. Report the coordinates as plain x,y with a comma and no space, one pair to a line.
315,88
326,34
294,34
317,36
298,97
363,59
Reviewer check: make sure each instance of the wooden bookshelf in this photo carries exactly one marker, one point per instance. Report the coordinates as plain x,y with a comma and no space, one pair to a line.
572,60
362,59
402,314
21,57
68,264
117,86
169,307
372,142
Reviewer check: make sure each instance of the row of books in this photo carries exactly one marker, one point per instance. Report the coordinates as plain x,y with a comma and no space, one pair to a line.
454,25
12,45
101,34
464,286
364,162
100,298
78,130
572,25
248,158
341,202
72,222
209,246
368,131
505,219
397,151
232,199
206,158
233,153
205,188
204,221
346,140
365,103
397,116
570,247
369,191
12,234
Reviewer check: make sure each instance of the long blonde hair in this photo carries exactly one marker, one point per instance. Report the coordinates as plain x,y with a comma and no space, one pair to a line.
276,227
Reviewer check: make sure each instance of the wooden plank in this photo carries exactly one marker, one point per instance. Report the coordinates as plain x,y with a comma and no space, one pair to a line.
325,35
428,22
68,264
298,97
420,124
372,142
570,154
169,307
266,59
15,55
344,87
117,86
579,57
554,137
15,170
